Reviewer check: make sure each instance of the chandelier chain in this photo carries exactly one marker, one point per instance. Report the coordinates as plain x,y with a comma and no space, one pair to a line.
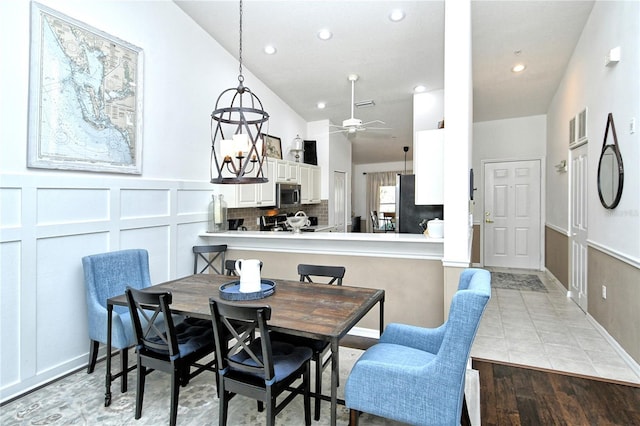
240,77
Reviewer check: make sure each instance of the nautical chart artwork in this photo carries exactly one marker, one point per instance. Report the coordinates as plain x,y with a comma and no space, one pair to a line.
85,97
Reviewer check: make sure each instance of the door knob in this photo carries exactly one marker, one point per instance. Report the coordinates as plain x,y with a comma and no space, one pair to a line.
486,217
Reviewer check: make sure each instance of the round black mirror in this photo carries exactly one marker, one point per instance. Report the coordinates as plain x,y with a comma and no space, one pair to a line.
610,171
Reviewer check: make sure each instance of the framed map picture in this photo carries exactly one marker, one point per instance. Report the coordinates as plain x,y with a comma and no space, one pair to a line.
85,97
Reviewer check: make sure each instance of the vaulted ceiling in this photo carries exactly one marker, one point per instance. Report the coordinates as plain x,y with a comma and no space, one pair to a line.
391,58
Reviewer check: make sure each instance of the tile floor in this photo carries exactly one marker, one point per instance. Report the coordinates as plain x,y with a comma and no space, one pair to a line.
546,330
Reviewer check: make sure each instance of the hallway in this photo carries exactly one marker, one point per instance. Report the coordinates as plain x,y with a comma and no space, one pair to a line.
546,330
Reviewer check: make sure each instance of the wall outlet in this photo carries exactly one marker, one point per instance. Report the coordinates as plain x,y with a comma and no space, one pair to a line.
604,292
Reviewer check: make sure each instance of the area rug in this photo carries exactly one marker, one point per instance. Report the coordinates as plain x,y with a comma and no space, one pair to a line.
78,399
509,281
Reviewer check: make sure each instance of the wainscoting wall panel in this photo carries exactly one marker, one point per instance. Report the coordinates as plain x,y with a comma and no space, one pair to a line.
10,207
10,309
66,205
144,203
49,221
618,313
556,254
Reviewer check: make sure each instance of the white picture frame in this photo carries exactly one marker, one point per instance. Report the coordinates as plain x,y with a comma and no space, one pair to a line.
85,97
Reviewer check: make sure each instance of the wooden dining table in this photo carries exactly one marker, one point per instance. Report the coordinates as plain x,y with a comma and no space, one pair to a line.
318,311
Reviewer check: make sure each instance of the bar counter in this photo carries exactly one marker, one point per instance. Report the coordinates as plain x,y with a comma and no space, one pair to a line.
407,266
406,246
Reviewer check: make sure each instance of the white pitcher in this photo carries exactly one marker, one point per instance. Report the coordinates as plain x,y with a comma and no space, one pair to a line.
249,272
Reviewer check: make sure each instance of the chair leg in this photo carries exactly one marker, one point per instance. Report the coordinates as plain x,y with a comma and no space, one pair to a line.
353,417
465,420
175,392
224,405
124,357
93,355
318,363
306,378
142,373
271,408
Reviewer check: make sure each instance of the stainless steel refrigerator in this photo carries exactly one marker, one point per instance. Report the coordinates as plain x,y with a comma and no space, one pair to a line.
408,214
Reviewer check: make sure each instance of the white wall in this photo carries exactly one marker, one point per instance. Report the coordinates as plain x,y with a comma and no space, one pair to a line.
51,218
334,154
510,139
616,89
428,110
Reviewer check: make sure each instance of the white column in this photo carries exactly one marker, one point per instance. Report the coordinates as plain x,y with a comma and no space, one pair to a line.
458,116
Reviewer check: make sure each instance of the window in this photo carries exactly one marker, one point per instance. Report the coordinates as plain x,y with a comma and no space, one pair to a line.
387,199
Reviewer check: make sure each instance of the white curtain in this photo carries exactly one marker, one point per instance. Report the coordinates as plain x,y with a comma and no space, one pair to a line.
374,182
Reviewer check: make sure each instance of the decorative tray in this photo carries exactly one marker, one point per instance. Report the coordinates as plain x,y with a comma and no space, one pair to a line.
231,291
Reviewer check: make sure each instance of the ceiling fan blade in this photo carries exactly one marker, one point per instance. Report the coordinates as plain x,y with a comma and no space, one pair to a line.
339,131
374,121
379,128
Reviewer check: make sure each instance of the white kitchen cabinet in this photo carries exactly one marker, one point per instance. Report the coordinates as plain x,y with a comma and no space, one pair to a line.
428,166
310,183
251,195
287,172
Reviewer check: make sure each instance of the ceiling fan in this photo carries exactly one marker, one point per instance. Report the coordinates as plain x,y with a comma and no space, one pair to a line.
353,125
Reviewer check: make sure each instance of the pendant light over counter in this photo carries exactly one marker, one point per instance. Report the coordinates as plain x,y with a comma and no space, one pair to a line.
237,147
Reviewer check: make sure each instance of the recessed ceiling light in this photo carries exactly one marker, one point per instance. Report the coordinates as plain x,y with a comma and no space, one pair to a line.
396,15
324,34
321,105
518,68
270,49
419,88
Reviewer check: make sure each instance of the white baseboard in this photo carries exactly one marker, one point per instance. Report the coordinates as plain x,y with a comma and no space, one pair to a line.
633,365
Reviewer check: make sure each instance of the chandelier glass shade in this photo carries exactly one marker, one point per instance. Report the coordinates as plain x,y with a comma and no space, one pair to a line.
237,125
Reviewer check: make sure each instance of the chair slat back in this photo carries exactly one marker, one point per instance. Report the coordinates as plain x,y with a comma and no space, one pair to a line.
204,253
146,308
336,273
241,322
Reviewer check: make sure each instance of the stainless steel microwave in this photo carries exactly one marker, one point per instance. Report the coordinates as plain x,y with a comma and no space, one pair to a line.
287,196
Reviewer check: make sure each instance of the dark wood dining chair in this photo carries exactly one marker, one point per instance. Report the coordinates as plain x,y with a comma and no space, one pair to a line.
171,348
329,275
211,255
261,369
375,223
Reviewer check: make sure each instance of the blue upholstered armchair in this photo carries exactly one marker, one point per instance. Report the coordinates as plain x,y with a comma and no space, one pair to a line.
416,375
107,275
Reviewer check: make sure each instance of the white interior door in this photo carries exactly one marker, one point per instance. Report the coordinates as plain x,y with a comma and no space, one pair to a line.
578,238
512,214
339,200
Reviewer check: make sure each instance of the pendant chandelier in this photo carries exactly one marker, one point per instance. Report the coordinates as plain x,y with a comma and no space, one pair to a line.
237,147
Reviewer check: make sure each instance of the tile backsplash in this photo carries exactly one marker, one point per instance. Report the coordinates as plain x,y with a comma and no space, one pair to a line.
251,215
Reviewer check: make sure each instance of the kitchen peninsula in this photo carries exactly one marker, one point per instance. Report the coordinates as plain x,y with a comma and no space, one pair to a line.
407,266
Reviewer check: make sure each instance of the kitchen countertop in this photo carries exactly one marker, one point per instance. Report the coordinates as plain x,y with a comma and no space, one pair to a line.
414,246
